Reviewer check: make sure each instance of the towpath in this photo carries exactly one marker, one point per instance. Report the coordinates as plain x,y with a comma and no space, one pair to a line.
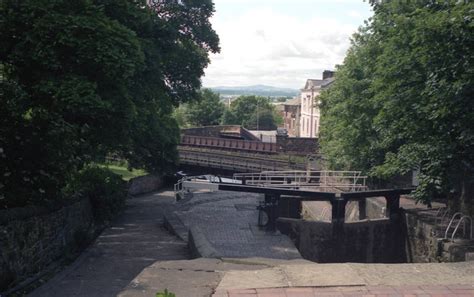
132,243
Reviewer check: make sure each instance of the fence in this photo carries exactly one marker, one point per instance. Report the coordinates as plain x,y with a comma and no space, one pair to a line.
336,181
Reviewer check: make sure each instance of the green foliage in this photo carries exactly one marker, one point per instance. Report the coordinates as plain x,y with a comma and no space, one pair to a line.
282,99
403,98
252,112
84,79
165,294
105,189
124,171
206,110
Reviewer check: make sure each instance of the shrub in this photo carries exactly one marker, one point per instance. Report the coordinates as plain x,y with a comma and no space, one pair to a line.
105,189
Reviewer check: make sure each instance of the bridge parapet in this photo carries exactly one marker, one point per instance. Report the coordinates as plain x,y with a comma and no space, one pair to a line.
233,162
229,144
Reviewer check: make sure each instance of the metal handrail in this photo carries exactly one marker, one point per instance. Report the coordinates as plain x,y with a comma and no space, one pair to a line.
348,180
450,223
464,229
444,211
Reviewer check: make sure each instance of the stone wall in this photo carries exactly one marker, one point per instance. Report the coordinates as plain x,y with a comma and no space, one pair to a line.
298,145
144,184
425,243
234,131
413,238
367,241
32,238
421,243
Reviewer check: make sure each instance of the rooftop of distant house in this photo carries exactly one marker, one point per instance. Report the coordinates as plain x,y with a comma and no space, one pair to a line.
328,78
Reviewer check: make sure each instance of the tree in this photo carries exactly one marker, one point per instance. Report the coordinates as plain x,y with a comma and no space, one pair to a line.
252,112
403,99
87,78
207,110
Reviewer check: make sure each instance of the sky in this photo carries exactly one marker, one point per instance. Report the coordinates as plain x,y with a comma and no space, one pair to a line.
281,43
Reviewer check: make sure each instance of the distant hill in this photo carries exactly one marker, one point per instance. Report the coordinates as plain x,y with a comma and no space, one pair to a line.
258,90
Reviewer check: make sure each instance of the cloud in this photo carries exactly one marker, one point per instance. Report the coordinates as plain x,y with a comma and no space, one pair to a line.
262,46
354,14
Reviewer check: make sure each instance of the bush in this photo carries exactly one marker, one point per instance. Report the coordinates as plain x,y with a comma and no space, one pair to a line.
105,189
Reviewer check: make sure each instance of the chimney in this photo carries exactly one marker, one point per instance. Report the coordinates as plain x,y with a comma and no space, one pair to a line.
328,74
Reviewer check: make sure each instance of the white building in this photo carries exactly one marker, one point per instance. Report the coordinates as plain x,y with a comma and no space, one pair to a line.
310,114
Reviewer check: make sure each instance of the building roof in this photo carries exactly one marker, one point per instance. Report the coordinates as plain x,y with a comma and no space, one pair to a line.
294,101
318,83
312,83
327,82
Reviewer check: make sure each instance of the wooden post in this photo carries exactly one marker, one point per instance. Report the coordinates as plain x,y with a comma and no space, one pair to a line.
273,213
363,209
393,206
338,215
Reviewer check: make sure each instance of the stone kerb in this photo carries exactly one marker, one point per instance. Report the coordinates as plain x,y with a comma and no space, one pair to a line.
199,245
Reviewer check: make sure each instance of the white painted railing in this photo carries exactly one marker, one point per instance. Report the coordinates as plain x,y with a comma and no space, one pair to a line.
332,181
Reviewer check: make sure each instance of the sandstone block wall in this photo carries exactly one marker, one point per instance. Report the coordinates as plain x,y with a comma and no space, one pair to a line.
144,184
33,238
421,243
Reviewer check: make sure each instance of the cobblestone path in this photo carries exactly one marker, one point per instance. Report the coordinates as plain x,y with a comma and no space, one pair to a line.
229,222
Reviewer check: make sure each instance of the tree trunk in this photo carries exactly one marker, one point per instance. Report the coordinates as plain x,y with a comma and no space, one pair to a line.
466,201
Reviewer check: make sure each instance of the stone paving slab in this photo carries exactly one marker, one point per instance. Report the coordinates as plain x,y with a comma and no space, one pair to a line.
192,278
416,273
330,275
429,276
265,278
367,291
295,278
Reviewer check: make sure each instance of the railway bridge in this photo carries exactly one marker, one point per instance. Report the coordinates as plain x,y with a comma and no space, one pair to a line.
235,149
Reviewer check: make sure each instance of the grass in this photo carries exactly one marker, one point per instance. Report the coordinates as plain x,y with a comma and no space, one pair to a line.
123,171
